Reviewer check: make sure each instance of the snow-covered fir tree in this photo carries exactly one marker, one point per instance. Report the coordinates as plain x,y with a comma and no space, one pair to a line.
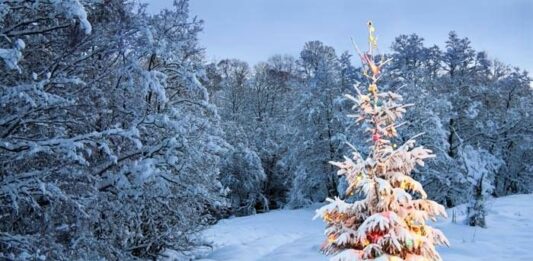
481,167
389,222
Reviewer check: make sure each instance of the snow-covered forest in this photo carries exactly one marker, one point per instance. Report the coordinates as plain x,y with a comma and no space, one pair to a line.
119,140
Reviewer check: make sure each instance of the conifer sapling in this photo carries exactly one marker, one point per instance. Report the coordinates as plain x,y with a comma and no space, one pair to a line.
389,222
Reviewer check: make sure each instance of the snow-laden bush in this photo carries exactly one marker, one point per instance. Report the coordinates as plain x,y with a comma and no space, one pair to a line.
481,167
244,176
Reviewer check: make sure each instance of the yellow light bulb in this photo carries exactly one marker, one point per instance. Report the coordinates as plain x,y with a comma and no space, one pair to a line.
373,88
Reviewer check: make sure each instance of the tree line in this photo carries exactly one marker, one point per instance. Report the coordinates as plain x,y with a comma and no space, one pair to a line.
473,111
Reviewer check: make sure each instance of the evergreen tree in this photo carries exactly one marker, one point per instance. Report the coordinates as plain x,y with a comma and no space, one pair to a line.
389,222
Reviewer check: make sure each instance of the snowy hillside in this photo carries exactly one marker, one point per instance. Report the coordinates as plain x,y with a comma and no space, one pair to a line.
293,235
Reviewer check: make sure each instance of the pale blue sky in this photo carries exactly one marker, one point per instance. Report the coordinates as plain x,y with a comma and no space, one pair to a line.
253,30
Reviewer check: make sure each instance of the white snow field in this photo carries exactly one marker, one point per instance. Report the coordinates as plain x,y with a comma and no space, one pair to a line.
287,235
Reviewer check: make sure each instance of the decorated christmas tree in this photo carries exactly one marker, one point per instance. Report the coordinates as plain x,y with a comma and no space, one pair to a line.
389,222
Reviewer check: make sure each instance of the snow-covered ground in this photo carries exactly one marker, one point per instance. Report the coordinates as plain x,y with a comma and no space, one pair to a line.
293,235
